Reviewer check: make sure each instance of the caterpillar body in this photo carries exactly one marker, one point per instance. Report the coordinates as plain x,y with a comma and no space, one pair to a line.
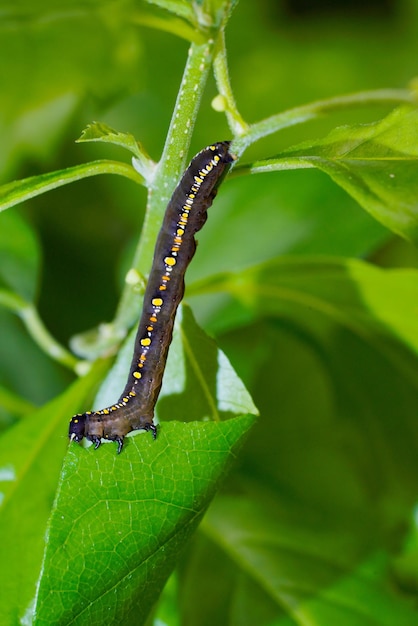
186,213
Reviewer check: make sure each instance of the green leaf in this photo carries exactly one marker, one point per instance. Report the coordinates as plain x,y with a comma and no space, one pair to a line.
98,131
370,301
21,190
122,534
19,256
119,522
375,163
31,456
330,476
182,8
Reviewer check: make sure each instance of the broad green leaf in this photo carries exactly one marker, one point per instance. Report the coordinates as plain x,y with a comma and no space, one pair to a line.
19,256
175,478
366,299
375,163
333,369
31,456
119,522
21,190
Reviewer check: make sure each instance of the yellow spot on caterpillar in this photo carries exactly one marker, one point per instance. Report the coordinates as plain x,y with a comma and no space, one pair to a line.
180,232
169,260
150,328
153,319
166,278
162,287
146,341
191,196
157,301
125,399
132,394
137,375
105,411
75,421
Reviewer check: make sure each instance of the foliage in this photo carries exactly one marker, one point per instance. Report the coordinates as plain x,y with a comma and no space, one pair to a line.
313,299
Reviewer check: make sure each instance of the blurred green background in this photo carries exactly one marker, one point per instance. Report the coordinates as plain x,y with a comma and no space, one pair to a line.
341,456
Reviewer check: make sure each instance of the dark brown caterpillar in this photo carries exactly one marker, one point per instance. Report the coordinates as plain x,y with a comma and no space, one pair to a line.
185,215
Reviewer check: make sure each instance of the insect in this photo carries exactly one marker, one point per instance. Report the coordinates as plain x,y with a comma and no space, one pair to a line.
186,213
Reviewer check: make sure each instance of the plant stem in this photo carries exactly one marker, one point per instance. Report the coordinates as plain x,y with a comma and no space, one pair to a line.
36,329
168,172
44,339
314,110
220,66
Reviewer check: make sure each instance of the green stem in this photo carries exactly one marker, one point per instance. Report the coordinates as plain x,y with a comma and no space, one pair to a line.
44,339
273,165
168,172
36,329
236,122
315,110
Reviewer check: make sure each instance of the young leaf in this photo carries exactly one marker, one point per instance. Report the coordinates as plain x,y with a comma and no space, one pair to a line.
98,131
182,8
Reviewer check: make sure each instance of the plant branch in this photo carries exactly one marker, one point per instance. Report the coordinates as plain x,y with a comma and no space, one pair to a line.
36,329
317,109
227,101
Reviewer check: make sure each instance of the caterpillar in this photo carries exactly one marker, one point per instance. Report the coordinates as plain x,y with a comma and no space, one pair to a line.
185,214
